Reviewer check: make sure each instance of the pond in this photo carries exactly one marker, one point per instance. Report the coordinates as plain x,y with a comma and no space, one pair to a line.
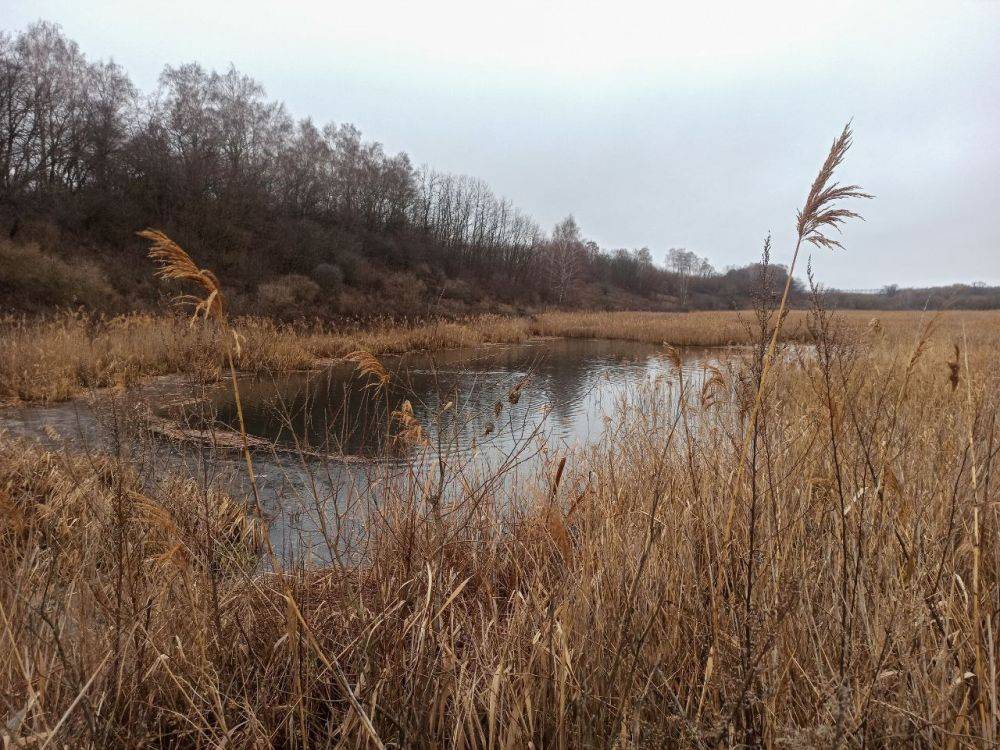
331,439
484,401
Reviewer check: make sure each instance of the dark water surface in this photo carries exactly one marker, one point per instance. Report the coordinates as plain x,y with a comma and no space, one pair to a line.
489,412
480,400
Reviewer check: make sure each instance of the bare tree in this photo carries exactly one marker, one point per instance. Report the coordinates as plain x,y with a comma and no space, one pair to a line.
686,264
209,155
565,257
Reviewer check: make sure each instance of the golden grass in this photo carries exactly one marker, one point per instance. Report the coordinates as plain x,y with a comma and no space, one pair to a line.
369,366
174,264
57,358
855,602
729,328
800,551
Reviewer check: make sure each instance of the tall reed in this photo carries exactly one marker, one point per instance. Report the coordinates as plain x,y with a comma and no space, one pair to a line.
602,601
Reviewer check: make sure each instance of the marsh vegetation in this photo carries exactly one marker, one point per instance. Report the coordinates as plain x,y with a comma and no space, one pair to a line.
630,593
797,548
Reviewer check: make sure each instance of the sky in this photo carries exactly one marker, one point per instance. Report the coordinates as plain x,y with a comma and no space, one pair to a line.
696,125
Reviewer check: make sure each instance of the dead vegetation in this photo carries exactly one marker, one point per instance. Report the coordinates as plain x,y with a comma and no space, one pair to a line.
56,358
802,553
853,602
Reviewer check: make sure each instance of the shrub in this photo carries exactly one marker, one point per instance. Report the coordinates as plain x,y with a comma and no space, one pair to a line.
358,272
329,276
31,278
287,293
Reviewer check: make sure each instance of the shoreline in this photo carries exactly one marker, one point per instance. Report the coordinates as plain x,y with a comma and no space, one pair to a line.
556,559
55,360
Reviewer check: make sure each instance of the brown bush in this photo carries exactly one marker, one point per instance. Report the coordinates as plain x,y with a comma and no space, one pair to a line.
287,294
33,279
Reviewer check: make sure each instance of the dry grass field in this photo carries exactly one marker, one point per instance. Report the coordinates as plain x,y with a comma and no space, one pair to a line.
836,584
56,358
799,551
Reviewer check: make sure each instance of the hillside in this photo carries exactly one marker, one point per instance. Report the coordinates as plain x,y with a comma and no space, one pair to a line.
298,219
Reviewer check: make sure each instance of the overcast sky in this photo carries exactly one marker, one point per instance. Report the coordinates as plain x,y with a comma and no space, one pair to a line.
655,124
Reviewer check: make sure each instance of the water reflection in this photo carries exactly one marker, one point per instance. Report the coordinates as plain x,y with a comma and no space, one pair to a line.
491,417
480,401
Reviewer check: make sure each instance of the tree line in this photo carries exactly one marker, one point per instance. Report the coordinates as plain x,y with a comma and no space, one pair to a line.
261,195
289,211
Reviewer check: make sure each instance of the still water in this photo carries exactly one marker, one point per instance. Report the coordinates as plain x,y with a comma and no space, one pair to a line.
483,401
496,411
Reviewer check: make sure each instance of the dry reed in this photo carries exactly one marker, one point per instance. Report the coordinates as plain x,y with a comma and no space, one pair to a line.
851,601
581,615
57,358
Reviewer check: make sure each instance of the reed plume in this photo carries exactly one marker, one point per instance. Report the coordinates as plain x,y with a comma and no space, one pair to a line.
820,210
368,364
953,369
175,264
411,432
515,393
